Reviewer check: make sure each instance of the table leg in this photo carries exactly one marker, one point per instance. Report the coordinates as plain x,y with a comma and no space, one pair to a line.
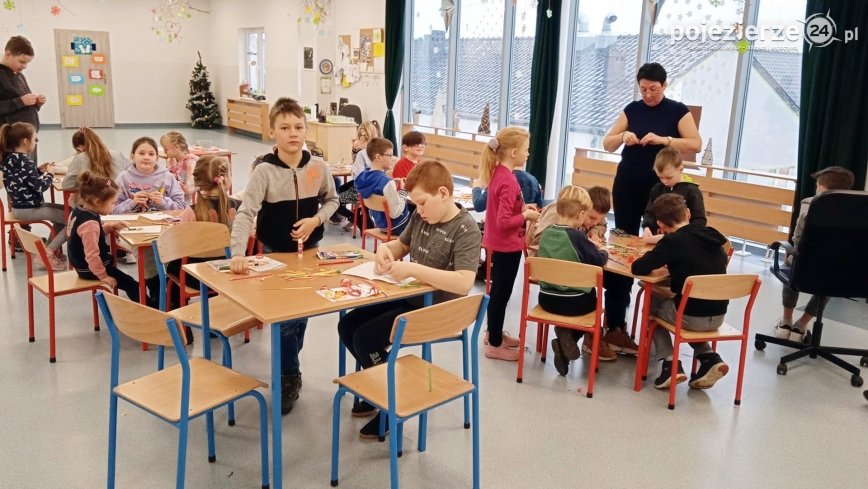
642,358
206,320
66,209
143,293
276,416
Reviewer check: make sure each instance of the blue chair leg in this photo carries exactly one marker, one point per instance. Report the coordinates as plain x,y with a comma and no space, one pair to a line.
182,454
209,423
227,362
465,351
112,441
393,449
263,436
423,418
475,426
336,432
160,357
400,439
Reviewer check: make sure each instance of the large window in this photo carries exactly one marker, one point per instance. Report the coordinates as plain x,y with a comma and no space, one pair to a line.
253,59
770,128
602,78
429,55
700,70
480,62
522,58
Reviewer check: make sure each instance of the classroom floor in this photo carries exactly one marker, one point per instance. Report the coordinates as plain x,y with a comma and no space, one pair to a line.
807,429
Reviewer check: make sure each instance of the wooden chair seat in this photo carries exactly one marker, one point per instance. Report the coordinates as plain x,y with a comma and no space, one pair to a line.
724,332
227,318
377,234
539,315
189,291
65,283
160,392
411,385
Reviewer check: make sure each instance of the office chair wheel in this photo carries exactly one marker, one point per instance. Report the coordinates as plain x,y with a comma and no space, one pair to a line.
864,362
865,393
759,345
856,380
782,369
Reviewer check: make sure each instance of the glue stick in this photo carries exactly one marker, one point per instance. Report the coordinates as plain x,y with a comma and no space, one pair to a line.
300,248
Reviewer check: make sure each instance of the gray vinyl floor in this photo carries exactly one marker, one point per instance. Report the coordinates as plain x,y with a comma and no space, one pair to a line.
807,429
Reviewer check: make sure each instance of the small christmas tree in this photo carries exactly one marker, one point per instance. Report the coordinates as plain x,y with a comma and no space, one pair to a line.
485,123
202,105
707,156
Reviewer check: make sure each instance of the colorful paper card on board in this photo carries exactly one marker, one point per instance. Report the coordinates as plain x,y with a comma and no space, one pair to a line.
74,100
96,74
98,58
69,61
75,78
379,49
82,45
96,90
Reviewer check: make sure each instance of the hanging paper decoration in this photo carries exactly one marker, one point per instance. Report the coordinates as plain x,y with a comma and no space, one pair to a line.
168,15
315,11
707,156
485,123
9,5
447,9
55,10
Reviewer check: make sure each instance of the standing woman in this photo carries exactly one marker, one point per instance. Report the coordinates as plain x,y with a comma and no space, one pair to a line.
644,127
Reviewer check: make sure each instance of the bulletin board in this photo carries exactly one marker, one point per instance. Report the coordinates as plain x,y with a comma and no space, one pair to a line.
361,53
84,78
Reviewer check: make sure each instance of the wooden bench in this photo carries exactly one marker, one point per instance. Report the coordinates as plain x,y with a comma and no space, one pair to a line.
460,152
248,115
750,211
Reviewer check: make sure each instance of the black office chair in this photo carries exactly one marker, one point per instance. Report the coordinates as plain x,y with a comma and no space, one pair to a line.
830,262
350,110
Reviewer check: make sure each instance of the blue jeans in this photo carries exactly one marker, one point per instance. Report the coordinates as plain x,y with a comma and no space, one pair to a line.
291,342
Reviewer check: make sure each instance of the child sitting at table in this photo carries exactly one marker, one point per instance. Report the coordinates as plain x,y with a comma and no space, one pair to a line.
25,183
595,225
564,240
289,196
687,248
180,162
412,149
93,155
670,171
443,243
347,193
830,178
374,181
89,251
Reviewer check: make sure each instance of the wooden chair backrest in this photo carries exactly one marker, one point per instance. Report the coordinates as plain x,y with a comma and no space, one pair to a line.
199,238
445,320
720,287
562,272
728,249
30,242
377,203
140,322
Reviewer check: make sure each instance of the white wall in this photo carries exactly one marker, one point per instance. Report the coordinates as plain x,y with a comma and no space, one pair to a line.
150,76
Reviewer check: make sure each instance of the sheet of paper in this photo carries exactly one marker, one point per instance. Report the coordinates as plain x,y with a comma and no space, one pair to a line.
142,230
157,216
366,270
119,217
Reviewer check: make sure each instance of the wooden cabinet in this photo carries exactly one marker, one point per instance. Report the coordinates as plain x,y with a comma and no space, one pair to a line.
335,140
248,115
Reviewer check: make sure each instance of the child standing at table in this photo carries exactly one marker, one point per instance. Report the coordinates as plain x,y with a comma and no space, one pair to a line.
564,240
505,217
443,243
93,155
290,196
89,251
687,248
374,181
412,149
25,183
180,162
670,171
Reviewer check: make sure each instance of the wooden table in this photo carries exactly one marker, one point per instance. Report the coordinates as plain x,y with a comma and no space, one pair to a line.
339,170
139,243
272,298
57,186
335,139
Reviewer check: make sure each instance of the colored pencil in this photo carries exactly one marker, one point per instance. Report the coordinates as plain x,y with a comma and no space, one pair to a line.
332,262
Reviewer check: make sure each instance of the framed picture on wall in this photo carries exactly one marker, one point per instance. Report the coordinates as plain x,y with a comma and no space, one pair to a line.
308,58
325,84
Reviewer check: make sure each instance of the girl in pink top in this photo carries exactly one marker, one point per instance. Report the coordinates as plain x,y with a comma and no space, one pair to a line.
505,216
180,162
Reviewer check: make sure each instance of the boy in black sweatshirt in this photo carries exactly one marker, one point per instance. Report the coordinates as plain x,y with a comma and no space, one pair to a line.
670,171
686,249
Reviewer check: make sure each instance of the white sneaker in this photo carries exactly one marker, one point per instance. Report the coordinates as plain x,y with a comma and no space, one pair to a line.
797,334
783,329
130,258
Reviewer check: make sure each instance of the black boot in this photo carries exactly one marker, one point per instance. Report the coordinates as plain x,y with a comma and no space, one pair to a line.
153,286
290,385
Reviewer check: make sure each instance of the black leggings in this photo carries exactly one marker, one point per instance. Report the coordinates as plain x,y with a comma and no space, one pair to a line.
504,268
365,331
125,283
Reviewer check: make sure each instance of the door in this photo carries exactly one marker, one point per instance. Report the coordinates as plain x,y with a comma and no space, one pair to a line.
84,78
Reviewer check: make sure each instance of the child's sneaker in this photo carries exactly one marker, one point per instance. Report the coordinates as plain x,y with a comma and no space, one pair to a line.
371,430
130,258
506,339
783,329
363,409
348,227
562,364
797,334
665,378
568,340
711,369
502,352
57,264
606,354
619,341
